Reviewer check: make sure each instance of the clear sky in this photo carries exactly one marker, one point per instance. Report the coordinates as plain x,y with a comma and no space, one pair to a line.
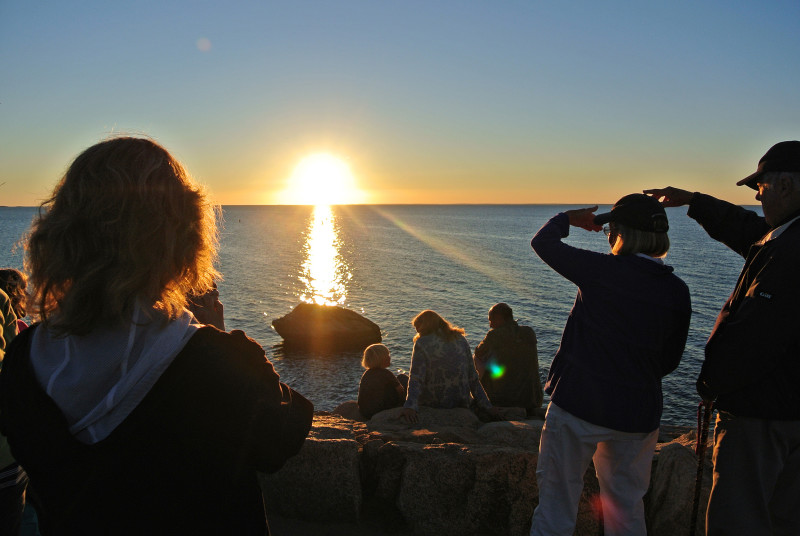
424,101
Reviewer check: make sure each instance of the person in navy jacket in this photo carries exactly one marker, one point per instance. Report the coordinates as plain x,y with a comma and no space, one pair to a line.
627,330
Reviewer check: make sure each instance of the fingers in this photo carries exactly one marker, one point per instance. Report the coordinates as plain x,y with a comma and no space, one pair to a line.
655,192
670,196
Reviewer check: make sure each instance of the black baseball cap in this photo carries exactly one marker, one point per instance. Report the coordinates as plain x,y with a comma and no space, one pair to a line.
783,156
638,211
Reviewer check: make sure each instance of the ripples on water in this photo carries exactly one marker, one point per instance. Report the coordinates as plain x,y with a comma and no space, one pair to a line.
391,262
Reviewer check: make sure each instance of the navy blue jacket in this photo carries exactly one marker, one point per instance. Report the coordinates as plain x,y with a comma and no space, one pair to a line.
752,362
626,331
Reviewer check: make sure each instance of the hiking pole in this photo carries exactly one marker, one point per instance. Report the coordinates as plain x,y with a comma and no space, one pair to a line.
706,408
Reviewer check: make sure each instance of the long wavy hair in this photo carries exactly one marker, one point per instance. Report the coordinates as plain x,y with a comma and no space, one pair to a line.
428,322
14,283
125,224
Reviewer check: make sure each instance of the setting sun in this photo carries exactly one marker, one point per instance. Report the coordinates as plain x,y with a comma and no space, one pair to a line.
322,179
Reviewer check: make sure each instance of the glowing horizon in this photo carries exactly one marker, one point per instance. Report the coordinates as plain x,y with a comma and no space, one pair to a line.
509,103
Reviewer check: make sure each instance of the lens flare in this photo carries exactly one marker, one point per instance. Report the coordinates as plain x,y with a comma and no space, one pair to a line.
496,370
460,254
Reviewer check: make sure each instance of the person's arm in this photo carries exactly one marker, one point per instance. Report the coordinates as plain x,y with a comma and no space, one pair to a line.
483,353
725,222
416,375
676,341
475,387
367,399
8,324
532,342
255,417
573,263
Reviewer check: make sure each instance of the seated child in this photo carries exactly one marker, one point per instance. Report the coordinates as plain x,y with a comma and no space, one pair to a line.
379,388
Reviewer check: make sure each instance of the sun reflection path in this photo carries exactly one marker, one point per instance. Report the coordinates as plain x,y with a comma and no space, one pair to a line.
324,274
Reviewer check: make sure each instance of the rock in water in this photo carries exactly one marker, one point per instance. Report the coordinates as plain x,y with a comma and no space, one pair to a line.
326,328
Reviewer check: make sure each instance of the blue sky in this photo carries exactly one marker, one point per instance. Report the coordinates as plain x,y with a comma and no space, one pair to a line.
428,102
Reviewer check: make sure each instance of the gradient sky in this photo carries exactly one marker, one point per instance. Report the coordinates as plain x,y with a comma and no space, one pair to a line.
427,101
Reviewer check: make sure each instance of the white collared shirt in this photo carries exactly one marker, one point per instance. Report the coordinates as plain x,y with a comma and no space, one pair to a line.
654,259
775,233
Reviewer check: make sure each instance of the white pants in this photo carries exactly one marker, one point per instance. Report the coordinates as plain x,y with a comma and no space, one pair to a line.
622,462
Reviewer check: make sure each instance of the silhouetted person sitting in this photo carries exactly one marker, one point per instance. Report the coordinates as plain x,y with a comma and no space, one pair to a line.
379,389
507,362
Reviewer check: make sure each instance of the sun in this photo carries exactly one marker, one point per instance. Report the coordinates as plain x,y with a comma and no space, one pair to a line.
321,179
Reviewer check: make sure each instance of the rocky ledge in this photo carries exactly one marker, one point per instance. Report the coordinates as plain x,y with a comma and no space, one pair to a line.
451,474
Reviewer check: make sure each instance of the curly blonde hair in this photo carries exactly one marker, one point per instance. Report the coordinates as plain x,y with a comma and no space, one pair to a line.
14,283
428,322
126,223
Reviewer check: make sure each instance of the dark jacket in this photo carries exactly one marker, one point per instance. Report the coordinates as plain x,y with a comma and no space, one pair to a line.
626,331
752,358
379,390
511,361
183,462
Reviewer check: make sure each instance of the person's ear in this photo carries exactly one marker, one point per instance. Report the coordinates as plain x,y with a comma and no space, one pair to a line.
785,185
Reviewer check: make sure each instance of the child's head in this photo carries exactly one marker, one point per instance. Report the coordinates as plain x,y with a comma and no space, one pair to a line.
376,356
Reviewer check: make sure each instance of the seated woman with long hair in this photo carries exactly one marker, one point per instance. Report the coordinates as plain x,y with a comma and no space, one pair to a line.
442,372
129,417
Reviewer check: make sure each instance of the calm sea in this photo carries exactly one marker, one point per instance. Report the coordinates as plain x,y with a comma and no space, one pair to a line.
390,262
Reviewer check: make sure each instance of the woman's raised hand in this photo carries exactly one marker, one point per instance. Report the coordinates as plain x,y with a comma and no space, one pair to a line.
583,218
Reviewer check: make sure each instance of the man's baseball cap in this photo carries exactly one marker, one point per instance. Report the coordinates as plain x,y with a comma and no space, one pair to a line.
783,156
638,211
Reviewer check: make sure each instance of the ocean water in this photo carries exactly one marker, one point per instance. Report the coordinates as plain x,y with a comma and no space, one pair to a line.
390,262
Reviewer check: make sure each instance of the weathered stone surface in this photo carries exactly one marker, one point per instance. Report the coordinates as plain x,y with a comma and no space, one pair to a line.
457,425
518,434
512,414
323,482
349,410
669,501
453,474
453,489
326,328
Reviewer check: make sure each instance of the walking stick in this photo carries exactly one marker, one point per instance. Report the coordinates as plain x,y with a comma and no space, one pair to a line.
706,408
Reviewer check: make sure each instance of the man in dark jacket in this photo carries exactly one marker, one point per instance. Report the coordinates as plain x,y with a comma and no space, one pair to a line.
508,363
752,358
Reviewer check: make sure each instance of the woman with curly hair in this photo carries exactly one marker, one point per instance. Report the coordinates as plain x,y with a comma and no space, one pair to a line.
442,372
129,417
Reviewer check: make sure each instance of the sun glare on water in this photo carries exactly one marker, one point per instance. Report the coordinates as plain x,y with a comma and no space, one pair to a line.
322,179
324,274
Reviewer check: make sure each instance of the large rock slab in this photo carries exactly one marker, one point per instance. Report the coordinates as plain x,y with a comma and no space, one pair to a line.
326,328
